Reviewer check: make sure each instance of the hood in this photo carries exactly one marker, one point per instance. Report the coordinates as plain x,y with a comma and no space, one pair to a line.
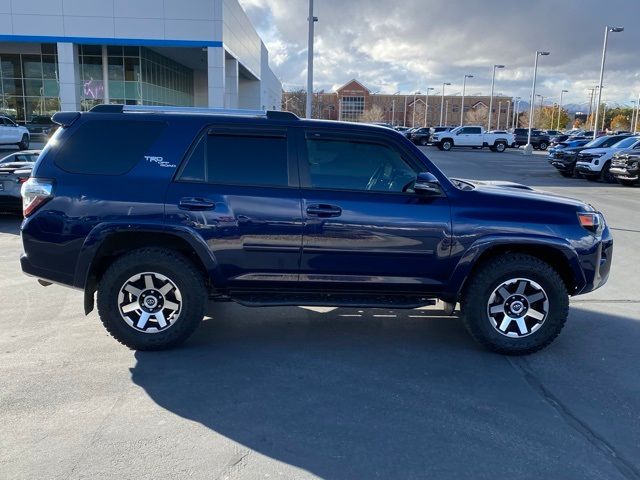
514,191
599,151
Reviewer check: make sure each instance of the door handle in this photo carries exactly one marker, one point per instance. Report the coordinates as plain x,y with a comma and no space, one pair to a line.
195,203
323,210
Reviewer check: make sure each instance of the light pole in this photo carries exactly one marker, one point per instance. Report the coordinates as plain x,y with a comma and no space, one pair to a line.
516,112
633,115
426,105
499,108
311,21
506,123
493,81
442,101
464,86
604,114
528,148
635,124
562,92
393,110
607,29
446,112
404,123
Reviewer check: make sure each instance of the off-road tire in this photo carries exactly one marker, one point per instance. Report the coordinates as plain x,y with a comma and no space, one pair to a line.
175,266
500,147
491,274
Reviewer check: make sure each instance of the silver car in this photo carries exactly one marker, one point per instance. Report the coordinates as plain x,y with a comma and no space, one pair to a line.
15,169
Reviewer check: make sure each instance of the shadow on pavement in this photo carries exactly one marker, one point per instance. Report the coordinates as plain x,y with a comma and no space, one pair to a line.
10,223
351,397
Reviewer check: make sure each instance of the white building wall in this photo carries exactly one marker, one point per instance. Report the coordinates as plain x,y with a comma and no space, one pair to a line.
239,36
217,25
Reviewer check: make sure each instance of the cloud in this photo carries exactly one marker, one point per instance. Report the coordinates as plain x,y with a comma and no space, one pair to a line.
409,45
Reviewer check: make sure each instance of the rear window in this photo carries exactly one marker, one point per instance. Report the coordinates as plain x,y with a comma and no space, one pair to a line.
107,147
252,158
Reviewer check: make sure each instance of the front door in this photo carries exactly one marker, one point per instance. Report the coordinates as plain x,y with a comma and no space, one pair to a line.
239,191
364,228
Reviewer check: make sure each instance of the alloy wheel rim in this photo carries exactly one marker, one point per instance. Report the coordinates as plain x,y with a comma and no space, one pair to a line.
149,302
518,307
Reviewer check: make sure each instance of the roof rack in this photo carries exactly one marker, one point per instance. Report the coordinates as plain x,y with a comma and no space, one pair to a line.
271,114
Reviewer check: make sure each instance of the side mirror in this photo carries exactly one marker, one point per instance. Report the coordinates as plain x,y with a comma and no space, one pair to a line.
428,185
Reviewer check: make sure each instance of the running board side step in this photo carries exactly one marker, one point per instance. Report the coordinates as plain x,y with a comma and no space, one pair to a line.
330,300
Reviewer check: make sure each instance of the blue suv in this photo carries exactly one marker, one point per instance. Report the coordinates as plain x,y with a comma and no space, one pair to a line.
162,212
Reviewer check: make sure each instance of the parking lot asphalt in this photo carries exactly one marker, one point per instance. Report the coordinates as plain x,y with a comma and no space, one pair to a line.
328,393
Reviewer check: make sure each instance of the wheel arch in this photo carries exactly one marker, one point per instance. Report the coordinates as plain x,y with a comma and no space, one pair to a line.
556,253
105,244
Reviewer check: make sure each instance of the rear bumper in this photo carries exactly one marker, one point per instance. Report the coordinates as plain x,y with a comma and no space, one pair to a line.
32,270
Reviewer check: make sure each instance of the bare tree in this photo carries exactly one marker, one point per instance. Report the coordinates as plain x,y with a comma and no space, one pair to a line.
374,114
477,116
295,101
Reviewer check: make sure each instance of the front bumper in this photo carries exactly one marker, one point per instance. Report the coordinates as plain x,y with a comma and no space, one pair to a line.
562,163
596,264
587,168
624,174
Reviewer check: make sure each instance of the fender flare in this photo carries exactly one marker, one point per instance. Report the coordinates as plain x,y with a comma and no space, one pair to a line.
103,231
471,256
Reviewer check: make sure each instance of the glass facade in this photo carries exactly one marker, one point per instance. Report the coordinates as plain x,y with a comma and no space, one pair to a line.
29,84
137,76
352,109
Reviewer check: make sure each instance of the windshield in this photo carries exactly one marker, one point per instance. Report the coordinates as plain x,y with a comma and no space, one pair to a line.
596,142
626,143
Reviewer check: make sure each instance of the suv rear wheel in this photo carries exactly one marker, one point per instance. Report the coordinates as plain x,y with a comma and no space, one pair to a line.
543,145
515,304
151,299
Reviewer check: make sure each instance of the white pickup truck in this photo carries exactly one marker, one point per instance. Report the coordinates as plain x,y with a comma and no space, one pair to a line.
473,136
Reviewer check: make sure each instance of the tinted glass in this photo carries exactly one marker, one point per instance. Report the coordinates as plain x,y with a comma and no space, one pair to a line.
474,130
626,143
239,160
107,147
347,165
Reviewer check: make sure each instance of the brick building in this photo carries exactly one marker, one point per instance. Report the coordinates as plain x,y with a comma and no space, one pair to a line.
354,102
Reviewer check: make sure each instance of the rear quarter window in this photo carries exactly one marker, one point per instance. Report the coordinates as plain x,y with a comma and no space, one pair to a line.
107,147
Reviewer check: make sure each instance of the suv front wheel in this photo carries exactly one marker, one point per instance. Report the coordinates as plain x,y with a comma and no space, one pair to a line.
515,304
151,299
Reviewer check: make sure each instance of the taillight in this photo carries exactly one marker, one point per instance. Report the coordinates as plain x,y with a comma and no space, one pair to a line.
35,192
591,221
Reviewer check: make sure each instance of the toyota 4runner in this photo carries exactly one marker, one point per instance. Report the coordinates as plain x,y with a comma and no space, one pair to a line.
162,212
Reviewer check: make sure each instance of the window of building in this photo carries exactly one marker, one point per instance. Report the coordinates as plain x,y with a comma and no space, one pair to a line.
352,108
248,159
350,165
29,84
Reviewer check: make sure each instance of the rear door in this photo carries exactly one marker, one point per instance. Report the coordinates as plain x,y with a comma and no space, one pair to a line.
363,226
238,189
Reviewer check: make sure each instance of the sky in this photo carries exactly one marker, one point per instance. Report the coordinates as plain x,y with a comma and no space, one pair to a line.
410,45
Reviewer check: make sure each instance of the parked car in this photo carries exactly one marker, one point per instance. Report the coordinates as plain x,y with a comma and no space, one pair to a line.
421,136
400,128
13,134
14,171
440,129
625,168
539,139
40,125
565,159
472,136
185,210
553,133
595,163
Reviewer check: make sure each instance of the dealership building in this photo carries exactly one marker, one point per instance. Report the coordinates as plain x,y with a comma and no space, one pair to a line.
74,54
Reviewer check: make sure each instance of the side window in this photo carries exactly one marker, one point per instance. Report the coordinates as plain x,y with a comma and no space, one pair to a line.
474,130
463,131
245,159
351,165
107,147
